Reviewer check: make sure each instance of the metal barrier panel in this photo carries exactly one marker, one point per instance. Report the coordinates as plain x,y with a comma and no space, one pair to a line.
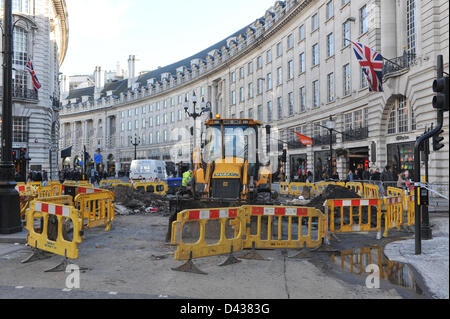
202,248
41,240
357,187
296,236
393,214
354,215
97,209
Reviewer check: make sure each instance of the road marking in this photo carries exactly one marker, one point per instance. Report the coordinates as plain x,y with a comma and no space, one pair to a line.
112,293
67,290
19,287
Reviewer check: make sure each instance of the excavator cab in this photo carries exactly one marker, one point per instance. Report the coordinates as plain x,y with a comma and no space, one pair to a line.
230,166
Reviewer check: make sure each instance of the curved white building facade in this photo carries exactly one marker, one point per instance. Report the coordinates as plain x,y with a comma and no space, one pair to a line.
292,69
40,33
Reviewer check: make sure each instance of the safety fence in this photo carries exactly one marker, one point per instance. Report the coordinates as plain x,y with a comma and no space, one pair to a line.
259,227
158,188
96,209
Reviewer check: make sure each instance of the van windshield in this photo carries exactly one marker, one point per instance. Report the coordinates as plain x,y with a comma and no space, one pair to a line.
141,168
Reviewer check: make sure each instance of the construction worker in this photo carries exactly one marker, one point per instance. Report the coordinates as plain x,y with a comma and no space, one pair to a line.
186,178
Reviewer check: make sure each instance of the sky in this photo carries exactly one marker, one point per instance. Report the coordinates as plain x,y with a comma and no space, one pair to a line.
159,33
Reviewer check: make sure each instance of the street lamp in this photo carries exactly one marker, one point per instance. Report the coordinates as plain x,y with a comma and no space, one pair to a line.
205,107
331,126
135,143
10,222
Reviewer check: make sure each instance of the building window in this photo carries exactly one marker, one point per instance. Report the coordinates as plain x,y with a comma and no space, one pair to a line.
180,115
269,56
158,122
260,113
315,22
136,124
150,122
279,49
302,99
315,54
280,76
241,95
250,90
150,107
347,86
290,41
260,86
129,126
20,57
330,45
269,111
392,122
413,120
302,62
315,87
233,97
290,70
280,108
330,86
122,126
402,116
411,26
172,117
20,130
250,113
259,63
330,11
301,32
144,123
233,77
291,103
366,117
358,119
363,19
348,122
250,68
269,81
241,73
346,36
364,82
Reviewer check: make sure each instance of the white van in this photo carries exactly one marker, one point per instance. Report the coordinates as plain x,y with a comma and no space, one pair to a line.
149,170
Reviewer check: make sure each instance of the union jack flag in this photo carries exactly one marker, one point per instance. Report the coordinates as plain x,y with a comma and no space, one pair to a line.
372,66
36,83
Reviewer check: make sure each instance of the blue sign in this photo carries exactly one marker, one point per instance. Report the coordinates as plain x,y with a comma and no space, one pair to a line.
98,158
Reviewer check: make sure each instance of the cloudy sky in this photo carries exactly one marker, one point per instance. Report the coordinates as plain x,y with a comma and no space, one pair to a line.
158,33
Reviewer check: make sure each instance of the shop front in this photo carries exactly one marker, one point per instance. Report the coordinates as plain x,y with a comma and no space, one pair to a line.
358,158
299,168
401,158
321,165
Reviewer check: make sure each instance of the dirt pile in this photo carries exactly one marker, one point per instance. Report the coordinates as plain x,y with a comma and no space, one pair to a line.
140,202
332,192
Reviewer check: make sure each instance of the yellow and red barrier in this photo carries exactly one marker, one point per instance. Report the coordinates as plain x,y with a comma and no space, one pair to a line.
96,208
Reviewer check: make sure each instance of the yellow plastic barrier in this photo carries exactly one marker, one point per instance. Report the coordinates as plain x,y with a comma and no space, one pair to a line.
411,210
358,188
371,191
299,189
115,184
108,182
59,200
50,183
35,184
26,190
158,188
297,235
27,194
393,214
344,219
49,191
202,248
320,187
40,240
342,184
284,188
97,209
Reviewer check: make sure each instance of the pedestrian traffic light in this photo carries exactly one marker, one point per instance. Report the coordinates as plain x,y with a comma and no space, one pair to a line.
437,139
441,88
22,153
14,155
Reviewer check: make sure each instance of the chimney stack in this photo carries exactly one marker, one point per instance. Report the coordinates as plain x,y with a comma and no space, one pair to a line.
131,70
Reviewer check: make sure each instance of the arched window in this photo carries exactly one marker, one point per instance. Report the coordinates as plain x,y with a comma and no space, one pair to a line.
399,117
20,76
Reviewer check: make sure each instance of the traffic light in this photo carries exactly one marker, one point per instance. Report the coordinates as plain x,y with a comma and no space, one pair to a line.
437,139
14,155
441,88
22,153
284,156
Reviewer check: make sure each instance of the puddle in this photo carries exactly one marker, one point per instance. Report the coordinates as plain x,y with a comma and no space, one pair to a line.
356,261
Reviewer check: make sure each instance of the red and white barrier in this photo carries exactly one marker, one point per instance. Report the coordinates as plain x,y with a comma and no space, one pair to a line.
52,209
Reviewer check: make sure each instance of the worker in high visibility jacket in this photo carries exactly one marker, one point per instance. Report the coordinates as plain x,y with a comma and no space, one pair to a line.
186,178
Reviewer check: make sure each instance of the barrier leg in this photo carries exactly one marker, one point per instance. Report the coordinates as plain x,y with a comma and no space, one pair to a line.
189,267
230,260
252,254
303,254
61,267
36,255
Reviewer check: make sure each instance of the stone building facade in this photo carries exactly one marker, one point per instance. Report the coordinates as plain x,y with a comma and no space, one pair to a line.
40,34
293,68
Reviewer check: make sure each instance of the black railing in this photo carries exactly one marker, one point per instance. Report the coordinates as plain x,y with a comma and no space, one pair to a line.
324,140
397,64
19,93
356,134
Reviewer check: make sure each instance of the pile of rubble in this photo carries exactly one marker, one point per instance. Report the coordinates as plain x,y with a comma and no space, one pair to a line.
129,201
332,192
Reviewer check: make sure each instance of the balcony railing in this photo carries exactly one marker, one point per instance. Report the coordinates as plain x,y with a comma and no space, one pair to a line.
324,140
19,93
356,135
398,64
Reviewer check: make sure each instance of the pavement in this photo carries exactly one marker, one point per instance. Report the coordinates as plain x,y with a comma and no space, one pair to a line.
433,263
132,261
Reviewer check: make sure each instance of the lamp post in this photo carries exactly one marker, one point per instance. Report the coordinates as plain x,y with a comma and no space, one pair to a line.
331,126
205,107
135,143
10,222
